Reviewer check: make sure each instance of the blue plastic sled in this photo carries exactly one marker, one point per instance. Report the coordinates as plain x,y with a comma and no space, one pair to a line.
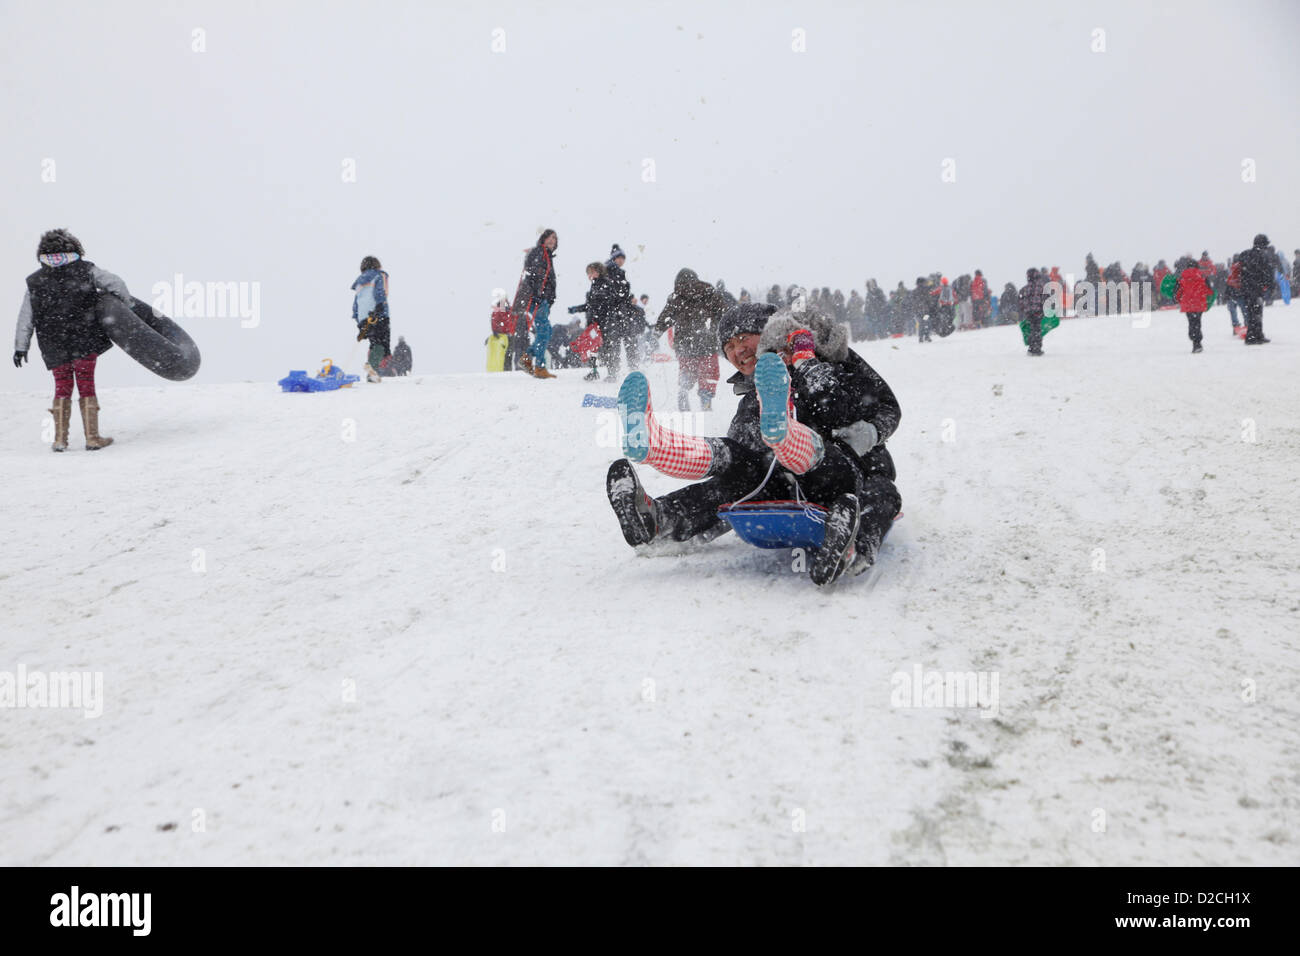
331,377
599,401
1284,286
777,524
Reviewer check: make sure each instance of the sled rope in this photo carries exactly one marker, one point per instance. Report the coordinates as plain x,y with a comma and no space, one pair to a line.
763,484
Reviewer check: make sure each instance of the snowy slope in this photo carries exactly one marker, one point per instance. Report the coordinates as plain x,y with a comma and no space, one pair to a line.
527,690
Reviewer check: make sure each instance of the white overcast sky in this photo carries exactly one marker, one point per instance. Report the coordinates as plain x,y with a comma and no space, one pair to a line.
821,167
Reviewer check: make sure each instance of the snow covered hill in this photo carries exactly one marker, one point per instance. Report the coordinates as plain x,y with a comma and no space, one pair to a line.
398,624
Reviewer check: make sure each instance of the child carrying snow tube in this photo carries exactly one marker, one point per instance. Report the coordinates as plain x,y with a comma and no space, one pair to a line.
149,337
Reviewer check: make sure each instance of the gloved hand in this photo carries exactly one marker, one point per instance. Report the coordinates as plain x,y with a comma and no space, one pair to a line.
799,348
802,341
860,436
577,308
19,359
362,332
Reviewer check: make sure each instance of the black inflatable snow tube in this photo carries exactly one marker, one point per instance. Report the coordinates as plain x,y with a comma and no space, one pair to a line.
149,337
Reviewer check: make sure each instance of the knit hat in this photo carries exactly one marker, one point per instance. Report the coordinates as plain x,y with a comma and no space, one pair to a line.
1261,241
615,252
746,319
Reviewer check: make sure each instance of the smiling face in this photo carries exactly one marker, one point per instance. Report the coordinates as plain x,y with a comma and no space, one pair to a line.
742,352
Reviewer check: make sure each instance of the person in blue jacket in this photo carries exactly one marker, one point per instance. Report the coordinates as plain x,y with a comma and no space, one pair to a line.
370,313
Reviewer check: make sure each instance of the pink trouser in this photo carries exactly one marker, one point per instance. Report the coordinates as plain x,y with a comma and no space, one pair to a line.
82,370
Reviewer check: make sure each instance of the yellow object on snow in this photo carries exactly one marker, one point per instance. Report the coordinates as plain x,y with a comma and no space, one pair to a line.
497,344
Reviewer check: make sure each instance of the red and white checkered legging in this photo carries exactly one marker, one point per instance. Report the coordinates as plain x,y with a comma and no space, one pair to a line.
801,450
674,454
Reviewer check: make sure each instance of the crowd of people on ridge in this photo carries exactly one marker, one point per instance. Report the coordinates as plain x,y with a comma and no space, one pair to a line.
621,327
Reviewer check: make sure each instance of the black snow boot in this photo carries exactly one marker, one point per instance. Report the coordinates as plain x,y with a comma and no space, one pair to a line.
878,506
637,512
865,549
837,550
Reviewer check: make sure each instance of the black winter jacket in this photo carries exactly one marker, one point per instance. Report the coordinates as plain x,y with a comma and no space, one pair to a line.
1257,268
1031,299
693,311
602,301
63,302
834,390
538,282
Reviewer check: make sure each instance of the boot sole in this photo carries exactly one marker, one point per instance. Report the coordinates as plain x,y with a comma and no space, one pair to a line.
633,401
625,496
772,382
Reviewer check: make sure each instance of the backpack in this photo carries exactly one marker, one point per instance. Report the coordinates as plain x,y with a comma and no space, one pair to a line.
503,321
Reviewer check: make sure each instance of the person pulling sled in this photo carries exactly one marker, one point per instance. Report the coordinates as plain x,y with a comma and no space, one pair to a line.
370,313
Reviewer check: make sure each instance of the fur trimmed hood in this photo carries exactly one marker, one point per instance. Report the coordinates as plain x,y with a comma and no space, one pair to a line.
832,338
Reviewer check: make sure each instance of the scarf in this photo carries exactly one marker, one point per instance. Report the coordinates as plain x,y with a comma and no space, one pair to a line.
53,259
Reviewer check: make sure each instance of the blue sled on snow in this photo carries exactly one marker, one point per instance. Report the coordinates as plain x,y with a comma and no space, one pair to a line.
599,401
329,378
777,524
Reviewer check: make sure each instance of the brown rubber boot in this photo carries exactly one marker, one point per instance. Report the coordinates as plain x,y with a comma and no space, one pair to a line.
541,371
526,363
90,421
62,412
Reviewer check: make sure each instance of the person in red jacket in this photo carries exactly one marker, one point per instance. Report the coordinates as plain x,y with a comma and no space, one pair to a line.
979,296
1192,293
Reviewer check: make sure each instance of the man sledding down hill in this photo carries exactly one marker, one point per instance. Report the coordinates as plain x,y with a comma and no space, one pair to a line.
812,413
